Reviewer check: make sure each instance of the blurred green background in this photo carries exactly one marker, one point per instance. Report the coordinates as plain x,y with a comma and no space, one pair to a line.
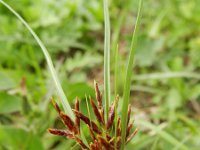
165,87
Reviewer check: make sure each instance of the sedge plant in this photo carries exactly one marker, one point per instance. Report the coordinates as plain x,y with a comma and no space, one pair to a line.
109,131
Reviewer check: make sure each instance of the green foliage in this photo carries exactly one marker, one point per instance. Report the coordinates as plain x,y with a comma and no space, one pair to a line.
13,138
9,103
6,82
165,92
74,90
53,73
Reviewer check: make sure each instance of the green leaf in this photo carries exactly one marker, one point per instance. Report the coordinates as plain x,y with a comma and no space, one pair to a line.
6,82
19,139
78,89
194,92
127,86
107,90
147,51
10,103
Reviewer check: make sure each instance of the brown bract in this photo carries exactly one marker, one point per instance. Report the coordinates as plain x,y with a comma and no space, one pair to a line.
102,134
111,116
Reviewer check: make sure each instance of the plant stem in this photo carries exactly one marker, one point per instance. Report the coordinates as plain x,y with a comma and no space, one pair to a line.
116,71
106,57
58,86
127,85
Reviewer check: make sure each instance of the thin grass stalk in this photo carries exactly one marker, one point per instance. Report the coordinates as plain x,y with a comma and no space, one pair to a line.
127,86
107,89
166,75
116,71
58,86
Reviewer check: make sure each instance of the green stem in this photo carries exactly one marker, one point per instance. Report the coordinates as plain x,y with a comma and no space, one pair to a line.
116,71
106,57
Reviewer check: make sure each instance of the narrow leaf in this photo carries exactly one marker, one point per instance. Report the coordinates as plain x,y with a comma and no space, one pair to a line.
106,57
127,86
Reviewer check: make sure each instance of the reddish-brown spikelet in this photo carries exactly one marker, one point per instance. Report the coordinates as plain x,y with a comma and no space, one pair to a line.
60,133
101,111
119,127
131,136
96,111
111,116
129,113
57,108
87,121
128,129
99,101
106,144
68,122
80,142
98,95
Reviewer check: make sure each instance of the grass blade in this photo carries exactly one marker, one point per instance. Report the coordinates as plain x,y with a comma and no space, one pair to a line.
116,73
127,85
165,135
61,93
166,75
106,57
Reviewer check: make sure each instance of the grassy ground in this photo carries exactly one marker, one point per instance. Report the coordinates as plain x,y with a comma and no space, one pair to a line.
165,91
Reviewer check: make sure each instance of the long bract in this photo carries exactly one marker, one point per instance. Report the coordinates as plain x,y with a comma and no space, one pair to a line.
106,57
127,85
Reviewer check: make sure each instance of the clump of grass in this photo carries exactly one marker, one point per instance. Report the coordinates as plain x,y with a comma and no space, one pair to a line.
102,136
112,132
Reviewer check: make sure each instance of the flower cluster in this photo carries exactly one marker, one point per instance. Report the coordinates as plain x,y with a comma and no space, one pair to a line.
102,134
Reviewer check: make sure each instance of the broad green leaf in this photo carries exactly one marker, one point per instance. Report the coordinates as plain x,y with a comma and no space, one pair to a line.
9,103
6,82
19,139
78,90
